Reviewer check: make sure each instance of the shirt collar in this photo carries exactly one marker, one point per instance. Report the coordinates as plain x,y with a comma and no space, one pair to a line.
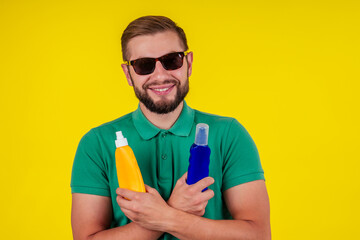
182,126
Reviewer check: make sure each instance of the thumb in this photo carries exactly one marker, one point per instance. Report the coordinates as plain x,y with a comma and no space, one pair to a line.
150,189
183,178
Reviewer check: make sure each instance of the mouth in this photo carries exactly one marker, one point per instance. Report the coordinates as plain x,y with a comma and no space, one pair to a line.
162,90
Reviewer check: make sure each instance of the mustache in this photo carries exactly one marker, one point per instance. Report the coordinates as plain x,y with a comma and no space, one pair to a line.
170,81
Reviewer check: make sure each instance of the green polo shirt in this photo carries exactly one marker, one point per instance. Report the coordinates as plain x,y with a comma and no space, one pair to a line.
163,157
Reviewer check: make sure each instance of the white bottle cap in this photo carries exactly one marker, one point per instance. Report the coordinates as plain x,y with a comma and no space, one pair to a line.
120,141
201,135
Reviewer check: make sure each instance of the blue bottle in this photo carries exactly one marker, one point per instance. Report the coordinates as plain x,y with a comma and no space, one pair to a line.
199,155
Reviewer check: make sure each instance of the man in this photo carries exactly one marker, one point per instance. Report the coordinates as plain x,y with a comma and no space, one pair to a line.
160,132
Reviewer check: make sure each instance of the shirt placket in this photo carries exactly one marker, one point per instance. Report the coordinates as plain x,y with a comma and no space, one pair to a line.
165,164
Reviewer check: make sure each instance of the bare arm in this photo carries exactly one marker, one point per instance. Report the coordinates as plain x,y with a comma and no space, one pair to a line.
91,218
248,204
91,214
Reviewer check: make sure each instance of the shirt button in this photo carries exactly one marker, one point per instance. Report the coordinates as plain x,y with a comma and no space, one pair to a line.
164,157
164,135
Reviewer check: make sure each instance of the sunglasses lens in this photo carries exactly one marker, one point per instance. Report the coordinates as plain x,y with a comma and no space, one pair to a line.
144,66
172,61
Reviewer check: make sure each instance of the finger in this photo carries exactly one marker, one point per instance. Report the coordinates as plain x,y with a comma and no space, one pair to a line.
200,213
207,195
123,203
126,193
127,212
201,209
182,180
183,177
203,183
151,190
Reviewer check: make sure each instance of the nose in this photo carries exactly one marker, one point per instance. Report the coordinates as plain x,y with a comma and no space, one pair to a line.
160,73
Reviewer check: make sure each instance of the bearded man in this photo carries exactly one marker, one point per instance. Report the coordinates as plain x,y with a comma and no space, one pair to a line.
160,132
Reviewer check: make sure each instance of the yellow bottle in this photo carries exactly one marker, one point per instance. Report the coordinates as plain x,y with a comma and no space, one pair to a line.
128,171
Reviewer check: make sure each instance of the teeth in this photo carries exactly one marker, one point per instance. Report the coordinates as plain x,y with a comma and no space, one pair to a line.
161,89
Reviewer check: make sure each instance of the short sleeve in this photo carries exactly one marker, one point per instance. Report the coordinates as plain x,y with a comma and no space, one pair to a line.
242,161
89,173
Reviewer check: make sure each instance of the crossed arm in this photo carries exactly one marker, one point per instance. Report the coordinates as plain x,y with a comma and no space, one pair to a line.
181,216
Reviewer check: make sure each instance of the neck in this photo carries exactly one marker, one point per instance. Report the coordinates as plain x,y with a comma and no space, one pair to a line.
162,121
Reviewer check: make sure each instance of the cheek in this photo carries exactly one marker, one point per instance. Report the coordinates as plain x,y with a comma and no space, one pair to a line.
180,74
139,81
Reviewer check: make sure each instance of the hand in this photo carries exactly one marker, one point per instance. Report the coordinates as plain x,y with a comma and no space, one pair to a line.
149,209
190,198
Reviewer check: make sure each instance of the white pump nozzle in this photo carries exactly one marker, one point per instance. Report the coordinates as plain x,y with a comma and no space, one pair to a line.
120,141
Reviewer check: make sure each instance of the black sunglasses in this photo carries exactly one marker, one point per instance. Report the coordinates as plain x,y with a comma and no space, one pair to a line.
170,61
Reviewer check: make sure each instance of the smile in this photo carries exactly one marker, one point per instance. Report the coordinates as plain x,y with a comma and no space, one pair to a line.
162,90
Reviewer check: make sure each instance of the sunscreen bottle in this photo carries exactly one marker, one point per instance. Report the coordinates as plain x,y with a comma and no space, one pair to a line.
199,155
128,171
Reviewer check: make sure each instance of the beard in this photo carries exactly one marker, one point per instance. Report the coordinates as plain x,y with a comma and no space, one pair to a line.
163,106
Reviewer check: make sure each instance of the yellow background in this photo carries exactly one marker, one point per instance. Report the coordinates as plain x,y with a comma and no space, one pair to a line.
287,70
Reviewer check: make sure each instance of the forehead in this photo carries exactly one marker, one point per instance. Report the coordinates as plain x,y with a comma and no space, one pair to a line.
154,45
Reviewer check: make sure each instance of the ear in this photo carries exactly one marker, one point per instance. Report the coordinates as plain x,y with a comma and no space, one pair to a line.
189,58
126,70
